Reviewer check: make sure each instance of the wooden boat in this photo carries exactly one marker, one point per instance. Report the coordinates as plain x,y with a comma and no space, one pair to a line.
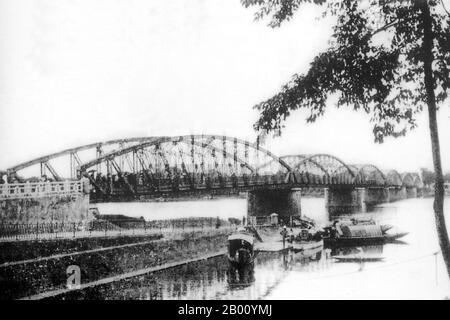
358,234
307,254
302,235
365,240
306,239
358,258
306,245
361,255
240,249
370,221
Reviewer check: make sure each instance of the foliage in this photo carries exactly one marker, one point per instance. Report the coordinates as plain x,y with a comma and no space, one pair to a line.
373,63
392,77
428,176
234,221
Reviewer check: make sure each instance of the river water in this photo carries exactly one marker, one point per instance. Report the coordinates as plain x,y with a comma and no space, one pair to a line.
411,268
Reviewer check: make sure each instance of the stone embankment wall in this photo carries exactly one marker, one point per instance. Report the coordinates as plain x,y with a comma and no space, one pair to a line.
44,268
61,208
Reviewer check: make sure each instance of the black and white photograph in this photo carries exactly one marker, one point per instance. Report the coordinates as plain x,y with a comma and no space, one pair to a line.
224,150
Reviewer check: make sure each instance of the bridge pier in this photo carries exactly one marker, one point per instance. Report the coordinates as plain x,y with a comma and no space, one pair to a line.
344,200
376,196
352,200
262,203
396,194
419,192
411,192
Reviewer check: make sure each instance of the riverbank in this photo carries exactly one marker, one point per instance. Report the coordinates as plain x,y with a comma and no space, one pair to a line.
67,292
35,267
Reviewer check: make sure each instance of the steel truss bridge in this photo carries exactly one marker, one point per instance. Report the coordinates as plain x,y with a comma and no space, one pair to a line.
196,164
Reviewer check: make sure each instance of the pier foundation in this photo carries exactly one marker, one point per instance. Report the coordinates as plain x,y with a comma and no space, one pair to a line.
411,192
396,194
351,200
344,200
262,203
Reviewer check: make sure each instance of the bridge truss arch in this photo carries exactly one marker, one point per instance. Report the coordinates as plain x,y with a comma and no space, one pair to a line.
369,174
194,161
412,179
75,159
321,168
418,181
393,178
202,160
213,148
408,179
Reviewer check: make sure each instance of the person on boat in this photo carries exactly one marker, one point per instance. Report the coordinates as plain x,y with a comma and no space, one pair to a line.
284,233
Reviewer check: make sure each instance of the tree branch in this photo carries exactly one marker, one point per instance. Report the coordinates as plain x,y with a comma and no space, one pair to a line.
445,9
383,28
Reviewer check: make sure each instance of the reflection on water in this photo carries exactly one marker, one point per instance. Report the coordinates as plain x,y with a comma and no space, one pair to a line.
409,270
203,280
366,250
241,277
211,279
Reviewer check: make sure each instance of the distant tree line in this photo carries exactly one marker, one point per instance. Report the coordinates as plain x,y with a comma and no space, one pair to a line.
428,176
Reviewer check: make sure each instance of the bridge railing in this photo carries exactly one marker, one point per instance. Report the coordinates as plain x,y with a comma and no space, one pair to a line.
164,185
39,189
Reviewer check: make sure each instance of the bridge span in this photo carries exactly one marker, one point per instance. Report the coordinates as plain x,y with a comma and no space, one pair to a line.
195,165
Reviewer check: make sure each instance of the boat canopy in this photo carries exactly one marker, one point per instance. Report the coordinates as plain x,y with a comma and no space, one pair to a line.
366,230
241,236
240,241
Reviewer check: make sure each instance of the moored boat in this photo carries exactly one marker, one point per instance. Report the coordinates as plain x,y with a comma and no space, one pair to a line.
343,233
306,239
241,248
306,245
360,255
357,258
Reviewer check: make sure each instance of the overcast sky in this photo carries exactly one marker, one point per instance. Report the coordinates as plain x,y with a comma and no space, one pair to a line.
79,71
